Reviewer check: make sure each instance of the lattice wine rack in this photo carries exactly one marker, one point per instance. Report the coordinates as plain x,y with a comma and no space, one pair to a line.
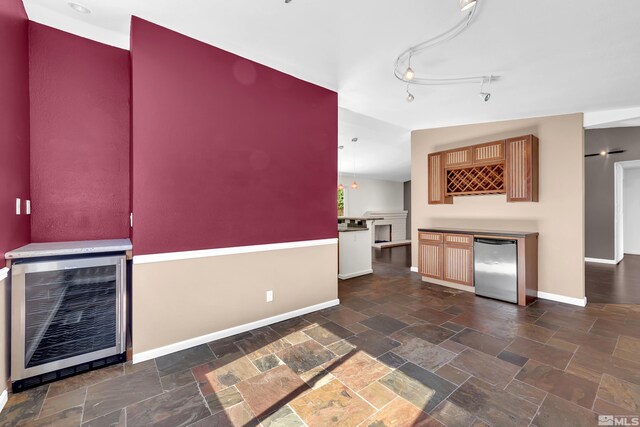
487,179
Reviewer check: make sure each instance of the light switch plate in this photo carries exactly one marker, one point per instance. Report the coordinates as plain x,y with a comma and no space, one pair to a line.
269,296
17,206
28,207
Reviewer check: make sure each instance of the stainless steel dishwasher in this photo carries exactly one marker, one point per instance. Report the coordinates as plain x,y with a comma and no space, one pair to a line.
496,268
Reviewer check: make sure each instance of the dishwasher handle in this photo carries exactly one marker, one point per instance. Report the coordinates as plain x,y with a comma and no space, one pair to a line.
495,241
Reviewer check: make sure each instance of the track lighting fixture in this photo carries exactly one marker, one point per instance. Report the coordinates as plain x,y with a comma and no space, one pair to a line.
409,74
287,1
404,72
485,96
604,153
466,4
410,96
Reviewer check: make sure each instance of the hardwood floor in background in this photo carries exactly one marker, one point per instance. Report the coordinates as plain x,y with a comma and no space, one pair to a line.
613,284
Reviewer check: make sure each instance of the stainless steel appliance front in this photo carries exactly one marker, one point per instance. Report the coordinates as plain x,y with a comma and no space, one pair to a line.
65,313
496,268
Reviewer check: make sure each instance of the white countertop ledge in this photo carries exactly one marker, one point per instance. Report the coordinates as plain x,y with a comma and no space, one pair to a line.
35,250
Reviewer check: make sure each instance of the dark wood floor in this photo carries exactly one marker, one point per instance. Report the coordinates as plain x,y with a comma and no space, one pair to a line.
614,284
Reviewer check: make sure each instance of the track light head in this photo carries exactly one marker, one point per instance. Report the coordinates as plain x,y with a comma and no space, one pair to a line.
410,96
409,74
466,5
485,96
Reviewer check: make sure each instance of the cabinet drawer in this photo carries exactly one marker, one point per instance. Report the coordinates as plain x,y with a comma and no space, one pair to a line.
457,158
459,239
489,153
430,237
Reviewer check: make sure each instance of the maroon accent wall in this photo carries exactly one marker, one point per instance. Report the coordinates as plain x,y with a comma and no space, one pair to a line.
226,152
14,124
80,137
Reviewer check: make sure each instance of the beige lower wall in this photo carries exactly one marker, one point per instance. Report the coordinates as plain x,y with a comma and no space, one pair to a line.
175,301
5,313
558,216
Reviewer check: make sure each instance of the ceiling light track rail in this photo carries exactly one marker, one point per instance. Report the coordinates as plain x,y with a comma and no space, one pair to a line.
404,72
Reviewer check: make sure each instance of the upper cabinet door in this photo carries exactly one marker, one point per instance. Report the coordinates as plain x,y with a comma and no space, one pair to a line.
489,153
457,158
521,172
436,180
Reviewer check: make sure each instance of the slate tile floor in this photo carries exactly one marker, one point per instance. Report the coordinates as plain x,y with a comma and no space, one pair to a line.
397,352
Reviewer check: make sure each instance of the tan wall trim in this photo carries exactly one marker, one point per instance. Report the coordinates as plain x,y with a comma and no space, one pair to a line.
175,301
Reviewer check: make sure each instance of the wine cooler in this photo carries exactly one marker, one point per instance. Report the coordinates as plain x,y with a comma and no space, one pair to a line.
67,317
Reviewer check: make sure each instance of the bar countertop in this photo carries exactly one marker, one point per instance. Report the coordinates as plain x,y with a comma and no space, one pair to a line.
475,232
36,250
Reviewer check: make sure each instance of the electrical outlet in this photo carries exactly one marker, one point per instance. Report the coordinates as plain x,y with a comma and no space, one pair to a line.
269,296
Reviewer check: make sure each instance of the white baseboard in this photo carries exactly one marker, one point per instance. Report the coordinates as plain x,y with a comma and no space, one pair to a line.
192,342
352,275
414,269
601,261
4,398
4,272
631,253
561,298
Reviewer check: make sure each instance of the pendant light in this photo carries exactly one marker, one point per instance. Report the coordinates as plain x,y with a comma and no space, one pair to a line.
340,186
354,184
409,74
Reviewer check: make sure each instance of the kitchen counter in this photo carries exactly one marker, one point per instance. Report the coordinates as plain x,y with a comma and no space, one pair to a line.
480,232
351,229
36,250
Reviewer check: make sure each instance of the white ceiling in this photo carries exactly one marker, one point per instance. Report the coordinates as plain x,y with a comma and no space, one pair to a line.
554,56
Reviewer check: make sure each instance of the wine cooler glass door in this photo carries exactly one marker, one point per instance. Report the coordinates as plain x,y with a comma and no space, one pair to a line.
71,312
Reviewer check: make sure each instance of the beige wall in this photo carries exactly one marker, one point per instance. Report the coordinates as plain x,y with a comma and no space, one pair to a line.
178,300
5,312
558,216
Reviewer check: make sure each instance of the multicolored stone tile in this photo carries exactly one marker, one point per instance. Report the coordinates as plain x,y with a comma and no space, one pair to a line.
488,368
328,333
400,413
182,406
493,404
222,373
271,390
223,399
357,370
377,394
620,393
426,355
555,412
422,388
333,403
562,384
305,356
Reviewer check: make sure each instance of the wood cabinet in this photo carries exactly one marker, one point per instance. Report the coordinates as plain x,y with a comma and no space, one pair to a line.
436,193
521,174
491,152
457,158
446,257
430,259
498,167
458,264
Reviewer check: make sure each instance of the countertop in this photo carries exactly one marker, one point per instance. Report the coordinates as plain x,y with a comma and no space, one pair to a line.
357,218
480,232
348,230
35,250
